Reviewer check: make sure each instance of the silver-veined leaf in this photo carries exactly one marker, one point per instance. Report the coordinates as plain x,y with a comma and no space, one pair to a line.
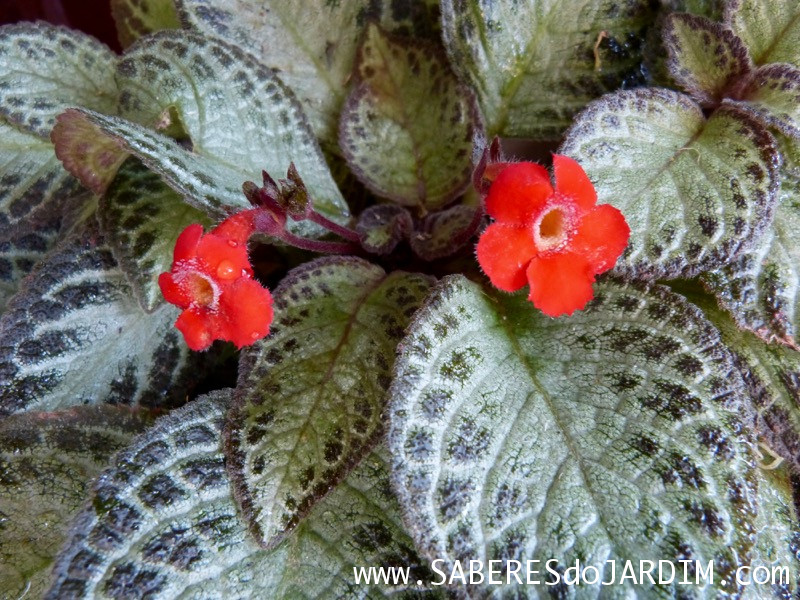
535,63
163,524
696,192
608,435
240,121
74,334
44,69
311,44
761,288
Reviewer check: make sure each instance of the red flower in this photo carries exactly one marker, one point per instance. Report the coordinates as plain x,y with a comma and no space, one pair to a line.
211,279
554,240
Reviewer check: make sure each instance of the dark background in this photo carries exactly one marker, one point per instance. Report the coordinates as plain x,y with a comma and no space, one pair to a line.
91,16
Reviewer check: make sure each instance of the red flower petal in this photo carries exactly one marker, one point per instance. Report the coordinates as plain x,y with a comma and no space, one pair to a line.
248,309
237,228
225,260
173,293
504,252
519,193
196,330
560,283
601,237
186,243
572,181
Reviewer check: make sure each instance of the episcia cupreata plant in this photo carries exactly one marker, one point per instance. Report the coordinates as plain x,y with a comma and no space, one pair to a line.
279,307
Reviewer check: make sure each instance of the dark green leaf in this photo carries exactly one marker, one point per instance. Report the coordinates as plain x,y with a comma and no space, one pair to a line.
407,128
535,63
47,461
142,218
696,192
609,435
74,334
705,58
310,397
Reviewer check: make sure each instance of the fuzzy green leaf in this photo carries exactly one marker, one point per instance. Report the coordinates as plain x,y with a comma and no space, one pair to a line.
30,175
44,69
380,228
47,461
163,524
310,397
535,63
445,232
705,57
769,28
612,434
695,192
22,247
773,97
137,18
142,218
74,334
761,288
407,128
312,44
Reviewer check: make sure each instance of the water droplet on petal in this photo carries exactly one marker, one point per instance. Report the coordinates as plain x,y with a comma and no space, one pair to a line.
227,270
232,244
255,335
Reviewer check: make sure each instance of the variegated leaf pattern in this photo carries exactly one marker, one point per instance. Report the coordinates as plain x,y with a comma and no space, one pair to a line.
408,127
706,58
74,334
22,247
142,218
761,288
770,29
772,95
311,44
47,463
535,63
163,524
608,435
45,69
310,397
240,121
772,375
696,192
